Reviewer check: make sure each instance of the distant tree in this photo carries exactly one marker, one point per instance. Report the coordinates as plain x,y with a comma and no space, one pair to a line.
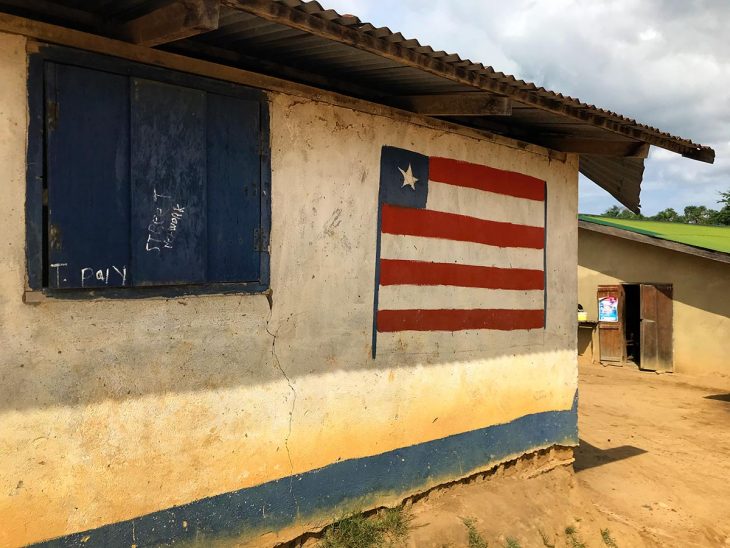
722,217
613,211
621,213
668,215
724,198
698,215
626,214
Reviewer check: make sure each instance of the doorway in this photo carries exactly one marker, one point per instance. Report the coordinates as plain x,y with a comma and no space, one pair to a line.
632,341
635,325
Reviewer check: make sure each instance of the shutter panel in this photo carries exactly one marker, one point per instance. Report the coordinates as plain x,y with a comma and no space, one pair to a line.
234,189
87,159
168,172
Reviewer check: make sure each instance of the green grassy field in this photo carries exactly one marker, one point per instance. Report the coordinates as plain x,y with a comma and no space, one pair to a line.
715,238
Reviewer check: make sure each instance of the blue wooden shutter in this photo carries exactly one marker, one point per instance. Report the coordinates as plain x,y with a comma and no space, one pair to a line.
169,210
87,162
150,183
234,189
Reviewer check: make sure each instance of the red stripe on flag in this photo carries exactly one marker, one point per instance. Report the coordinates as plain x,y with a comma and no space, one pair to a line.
454,172
458,320
400,272
450,226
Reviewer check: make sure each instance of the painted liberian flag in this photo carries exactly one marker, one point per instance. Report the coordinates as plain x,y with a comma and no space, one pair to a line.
460,246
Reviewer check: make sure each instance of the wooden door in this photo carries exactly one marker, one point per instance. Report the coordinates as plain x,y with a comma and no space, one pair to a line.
611,323
657,348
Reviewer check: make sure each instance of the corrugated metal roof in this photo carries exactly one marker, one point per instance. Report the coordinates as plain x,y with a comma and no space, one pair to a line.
615,175
303,41
509,85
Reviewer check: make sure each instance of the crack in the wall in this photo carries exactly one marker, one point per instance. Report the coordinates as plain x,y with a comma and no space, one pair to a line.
277,363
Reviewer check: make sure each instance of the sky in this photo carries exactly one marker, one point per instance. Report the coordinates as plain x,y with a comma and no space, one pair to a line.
665,63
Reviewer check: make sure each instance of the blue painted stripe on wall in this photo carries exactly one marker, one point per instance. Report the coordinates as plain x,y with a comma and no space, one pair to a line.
336,487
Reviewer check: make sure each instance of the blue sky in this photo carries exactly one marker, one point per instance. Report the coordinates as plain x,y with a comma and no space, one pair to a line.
665,63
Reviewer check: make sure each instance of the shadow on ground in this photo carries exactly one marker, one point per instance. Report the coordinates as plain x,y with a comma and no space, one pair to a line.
719,397
590,456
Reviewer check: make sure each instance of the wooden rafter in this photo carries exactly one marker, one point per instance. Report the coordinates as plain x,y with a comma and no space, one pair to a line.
626,149
173,21
455,104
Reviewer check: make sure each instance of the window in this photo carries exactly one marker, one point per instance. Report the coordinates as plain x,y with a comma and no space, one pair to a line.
149,178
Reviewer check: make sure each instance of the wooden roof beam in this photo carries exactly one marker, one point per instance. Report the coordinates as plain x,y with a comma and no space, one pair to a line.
624,149
173,21
455,104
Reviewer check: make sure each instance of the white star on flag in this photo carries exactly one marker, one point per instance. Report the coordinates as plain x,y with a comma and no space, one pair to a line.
408,178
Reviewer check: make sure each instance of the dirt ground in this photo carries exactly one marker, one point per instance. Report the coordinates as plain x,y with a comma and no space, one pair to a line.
653,469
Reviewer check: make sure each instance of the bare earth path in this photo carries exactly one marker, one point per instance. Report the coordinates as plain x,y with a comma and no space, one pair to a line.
656,452
653,469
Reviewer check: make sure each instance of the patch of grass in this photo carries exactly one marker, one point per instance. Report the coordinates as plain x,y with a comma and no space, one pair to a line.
387,528
395,524
608,539
573,537
476,540
511,543
354,531
545,539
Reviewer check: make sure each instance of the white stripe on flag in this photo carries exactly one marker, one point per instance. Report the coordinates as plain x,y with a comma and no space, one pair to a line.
476,344
438,297
481,204
434,250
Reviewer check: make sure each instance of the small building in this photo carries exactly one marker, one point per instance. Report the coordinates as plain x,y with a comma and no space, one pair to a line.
669,283
263,264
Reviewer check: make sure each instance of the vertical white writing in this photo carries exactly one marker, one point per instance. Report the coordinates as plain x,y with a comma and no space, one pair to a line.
161,233
151,248
155,227
155,195
175,216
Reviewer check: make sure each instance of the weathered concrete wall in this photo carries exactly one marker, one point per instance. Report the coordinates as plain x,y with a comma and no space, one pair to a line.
112,409
701,286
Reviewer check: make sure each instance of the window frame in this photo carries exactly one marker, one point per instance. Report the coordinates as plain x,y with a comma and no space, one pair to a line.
36,228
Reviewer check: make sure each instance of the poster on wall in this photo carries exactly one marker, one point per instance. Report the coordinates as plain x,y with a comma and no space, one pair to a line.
608,309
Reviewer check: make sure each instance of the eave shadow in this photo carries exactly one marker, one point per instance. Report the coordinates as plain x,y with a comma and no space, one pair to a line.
590,456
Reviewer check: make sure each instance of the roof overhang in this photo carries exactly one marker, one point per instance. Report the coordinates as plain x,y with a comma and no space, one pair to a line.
304,43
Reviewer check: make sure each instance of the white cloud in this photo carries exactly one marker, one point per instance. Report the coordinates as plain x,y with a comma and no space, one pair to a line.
649,34
664,62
